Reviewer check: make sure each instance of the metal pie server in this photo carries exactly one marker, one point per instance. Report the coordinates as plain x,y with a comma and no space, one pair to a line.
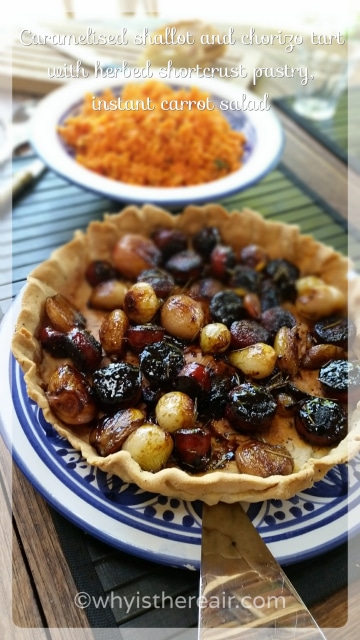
244,593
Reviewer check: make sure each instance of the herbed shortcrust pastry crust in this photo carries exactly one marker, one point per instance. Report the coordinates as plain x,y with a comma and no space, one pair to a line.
64,272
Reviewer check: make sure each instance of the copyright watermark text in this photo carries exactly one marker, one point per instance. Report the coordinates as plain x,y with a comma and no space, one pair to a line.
84,600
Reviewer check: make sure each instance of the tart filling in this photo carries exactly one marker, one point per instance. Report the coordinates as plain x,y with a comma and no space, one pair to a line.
201,355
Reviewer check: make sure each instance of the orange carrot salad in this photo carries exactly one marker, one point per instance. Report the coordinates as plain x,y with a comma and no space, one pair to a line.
149,144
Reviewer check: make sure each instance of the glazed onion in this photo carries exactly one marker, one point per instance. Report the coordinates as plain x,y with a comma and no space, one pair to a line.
215,337
316,299
257,361
182,316
175,410
150,446
141,302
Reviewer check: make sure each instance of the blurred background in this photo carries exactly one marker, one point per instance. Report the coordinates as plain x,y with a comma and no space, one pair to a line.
279,13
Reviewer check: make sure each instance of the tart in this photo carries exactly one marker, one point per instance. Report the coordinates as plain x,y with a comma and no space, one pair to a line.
236,457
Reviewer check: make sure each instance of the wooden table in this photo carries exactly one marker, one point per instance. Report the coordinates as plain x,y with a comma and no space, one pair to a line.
37,588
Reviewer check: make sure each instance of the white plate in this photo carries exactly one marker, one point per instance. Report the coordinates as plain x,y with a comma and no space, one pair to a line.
165,530
262,129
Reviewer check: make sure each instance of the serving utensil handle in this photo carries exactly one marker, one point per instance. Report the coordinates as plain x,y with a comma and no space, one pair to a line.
243,590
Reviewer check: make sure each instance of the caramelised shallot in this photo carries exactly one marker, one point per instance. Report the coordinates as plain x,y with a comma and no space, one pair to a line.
113,332
246,332
205,240
169,241
254,256
62,314
77,343
258,458
184,266
286,346
53,341
138,336
100,271
317,299
84,349
134,253
70,396
320,354
161,281
111,431
275,318
222,261
108,295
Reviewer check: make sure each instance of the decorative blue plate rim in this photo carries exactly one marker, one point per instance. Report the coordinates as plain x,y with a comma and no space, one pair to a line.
161,529
262,128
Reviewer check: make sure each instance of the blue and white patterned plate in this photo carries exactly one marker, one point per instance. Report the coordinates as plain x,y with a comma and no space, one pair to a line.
262,129
155,527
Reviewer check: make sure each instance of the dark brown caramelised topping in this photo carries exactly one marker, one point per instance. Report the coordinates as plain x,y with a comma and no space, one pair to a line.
321,421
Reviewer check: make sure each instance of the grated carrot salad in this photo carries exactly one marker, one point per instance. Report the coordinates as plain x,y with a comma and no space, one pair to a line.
154,147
